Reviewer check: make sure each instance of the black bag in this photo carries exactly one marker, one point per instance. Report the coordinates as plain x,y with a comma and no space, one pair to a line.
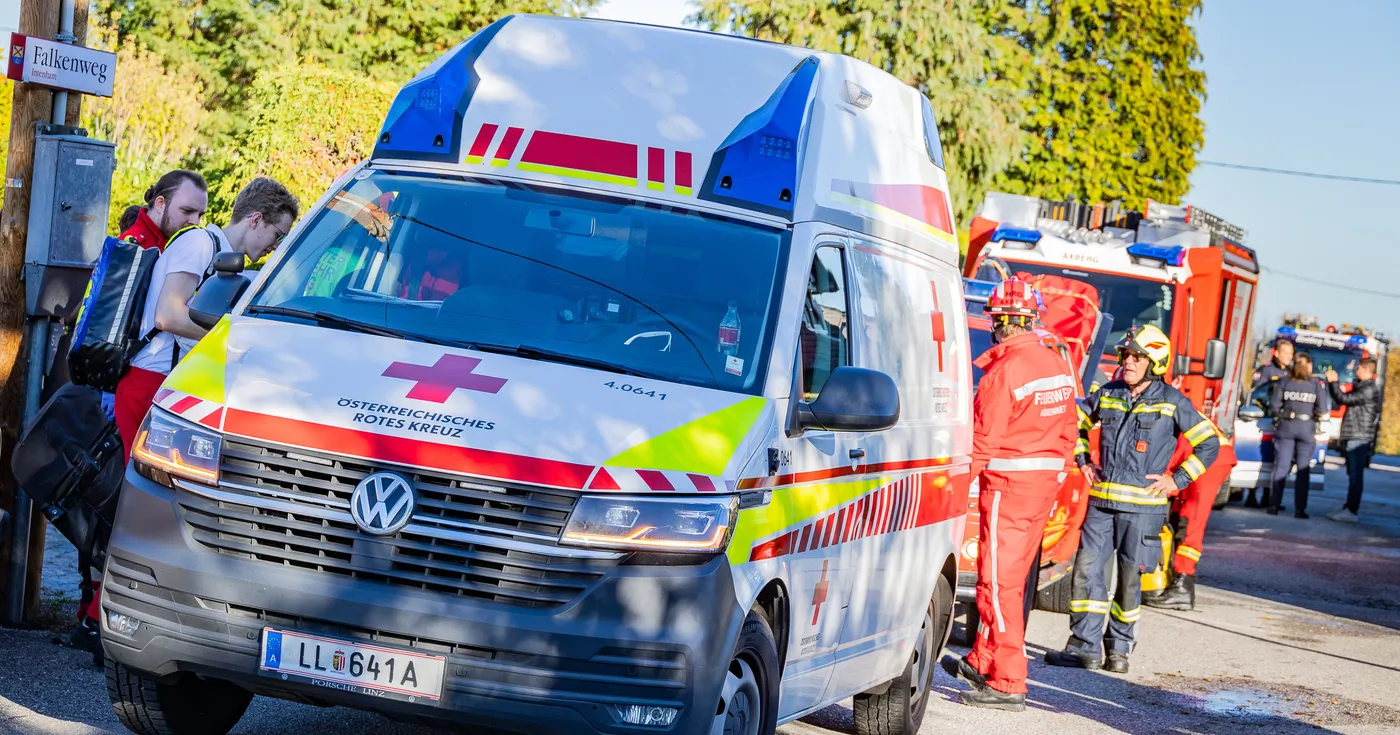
108,330
70,462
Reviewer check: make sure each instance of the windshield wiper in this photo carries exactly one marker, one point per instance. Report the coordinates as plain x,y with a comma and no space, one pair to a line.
326,318
539,353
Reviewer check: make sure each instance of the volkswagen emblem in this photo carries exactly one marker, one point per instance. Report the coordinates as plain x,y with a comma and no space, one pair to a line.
382,503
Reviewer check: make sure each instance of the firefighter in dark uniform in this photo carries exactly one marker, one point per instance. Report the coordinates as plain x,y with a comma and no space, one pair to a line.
1142,418
1276,369
1297,403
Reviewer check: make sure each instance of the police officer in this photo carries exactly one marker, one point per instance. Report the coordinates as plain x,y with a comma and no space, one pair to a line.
1277,368
1297,403
1142,418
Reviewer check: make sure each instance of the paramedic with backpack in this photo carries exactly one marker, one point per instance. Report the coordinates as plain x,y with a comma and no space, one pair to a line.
1023,435
1141,418
262,215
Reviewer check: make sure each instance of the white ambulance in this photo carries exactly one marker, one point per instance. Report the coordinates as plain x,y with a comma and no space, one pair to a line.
625,389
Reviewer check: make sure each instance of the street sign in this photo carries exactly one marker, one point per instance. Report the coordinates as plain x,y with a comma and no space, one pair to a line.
61,65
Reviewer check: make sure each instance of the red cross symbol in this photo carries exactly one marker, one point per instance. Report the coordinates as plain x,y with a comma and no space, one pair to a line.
437,383
819,594
940,333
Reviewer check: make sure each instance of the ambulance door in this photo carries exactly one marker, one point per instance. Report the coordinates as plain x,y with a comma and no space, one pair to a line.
1236,302
819,461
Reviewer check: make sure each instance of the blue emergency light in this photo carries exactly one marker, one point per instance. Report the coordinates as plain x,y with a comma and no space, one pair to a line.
756,166
425,121
1015,234
1170,255
975,290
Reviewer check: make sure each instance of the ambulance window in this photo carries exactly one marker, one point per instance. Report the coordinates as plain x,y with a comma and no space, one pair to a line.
931,141
825,333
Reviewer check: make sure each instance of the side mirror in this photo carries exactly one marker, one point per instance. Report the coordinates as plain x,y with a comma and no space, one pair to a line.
1250,412
853,399
229,262
217,296
1215,359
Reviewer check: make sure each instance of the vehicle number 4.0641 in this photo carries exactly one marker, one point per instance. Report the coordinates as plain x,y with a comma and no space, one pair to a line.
629,388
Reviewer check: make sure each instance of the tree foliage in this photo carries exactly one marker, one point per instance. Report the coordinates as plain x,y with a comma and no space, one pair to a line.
154,116
1388,441
1114,97
307,125
940,47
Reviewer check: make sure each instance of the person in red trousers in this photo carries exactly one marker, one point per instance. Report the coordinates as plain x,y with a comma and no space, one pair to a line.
1024,434
1191,511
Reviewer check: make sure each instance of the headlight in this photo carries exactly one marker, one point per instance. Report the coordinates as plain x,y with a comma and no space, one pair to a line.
165,444
632,523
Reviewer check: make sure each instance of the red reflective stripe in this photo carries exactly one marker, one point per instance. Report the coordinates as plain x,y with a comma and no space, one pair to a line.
213,419
162,394
845,471
924,203
818,529
411,452
656,165
780,546
508,143
682,168
582,154
806,537
603,481
184,404
702,483
655,480
483,140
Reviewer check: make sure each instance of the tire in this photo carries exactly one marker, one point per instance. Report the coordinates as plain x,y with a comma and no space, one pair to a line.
974,620
1055,596
899,710
748,703
190,706
1031,591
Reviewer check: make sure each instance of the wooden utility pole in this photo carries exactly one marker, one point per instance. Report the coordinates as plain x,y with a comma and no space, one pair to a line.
31,105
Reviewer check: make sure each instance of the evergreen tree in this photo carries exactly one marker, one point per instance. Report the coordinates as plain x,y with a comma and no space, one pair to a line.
1115,97
939,47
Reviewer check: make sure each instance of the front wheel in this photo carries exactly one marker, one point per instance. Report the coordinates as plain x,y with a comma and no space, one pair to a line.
899,710
748,704
189,706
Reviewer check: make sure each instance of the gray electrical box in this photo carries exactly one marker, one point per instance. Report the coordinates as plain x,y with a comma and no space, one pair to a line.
68,208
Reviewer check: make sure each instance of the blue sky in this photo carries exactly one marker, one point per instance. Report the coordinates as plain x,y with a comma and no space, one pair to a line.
1305,85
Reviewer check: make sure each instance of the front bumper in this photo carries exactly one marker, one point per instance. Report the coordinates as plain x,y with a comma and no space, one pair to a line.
649,635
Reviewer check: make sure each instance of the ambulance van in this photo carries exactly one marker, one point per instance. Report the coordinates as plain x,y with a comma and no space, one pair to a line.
624,389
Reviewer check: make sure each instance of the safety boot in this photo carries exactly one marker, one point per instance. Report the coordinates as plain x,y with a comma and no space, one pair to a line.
1117,664
1250,501
961,668
993,699
1179,595
1073,660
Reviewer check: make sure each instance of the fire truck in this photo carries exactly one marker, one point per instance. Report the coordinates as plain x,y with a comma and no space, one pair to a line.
1179,268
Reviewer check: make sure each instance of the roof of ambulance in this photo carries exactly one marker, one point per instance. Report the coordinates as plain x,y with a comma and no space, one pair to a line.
681,116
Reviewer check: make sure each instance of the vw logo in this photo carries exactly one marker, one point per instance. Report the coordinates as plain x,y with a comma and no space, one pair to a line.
382,503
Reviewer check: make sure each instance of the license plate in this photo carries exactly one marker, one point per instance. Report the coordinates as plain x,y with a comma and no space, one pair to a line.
387,673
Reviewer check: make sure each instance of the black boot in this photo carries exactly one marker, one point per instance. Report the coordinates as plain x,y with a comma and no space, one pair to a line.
993,699
960,668
1250,501
86,637
1179,595
1117,663
1072,660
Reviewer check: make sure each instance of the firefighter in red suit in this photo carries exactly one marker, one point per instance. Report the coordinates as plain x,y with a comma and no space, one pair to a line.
1023,437
1190,512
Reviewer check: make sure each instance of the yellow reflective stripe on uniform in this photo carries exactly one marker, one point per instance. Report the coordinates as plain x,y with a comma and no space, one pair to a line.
1126,494
1165,409
1194,467
1085,422
703,446
201,371
1200,432
1081,446
1088,606
1109,403
792,506
1189,553
1127,616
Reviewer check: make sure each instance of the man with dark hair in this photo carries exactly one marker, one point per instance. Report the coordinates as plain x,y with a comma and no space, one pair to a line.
1277,369
262,215
176,201
1358,433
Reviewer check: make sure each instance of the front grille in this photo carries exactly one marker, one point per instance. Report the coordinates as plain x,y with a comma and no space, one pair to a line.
481,540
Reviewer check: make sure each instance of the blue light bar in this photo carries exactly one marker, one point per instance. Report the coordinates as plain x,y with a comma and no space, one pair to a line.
975,290
1015,234
1287,331
1171,255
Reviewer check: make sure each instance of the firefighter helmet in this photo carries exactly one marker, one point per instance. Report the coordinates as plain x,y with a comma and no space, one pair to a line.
1147,341
1014,298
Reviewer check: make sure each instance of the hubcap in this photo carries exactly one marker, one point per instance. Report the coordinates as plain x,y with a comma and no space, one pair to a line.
740,707
923,659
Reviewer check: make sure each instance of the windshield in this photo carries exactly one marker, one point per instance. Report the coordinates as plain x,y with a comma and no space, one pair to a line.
1131,301
608,283
1325,358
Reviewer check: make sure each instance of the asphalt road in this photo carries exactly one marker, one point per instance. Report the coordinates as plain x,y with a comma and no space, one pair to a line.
1296,631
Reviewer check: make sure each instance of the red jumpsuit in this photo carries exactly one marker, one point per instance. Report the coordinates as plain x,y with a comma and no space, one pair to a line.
1194,503
1025,426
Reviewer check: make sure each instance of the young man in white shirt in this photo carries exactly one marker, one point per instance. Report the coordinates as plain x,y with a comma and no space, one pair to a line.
263,214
